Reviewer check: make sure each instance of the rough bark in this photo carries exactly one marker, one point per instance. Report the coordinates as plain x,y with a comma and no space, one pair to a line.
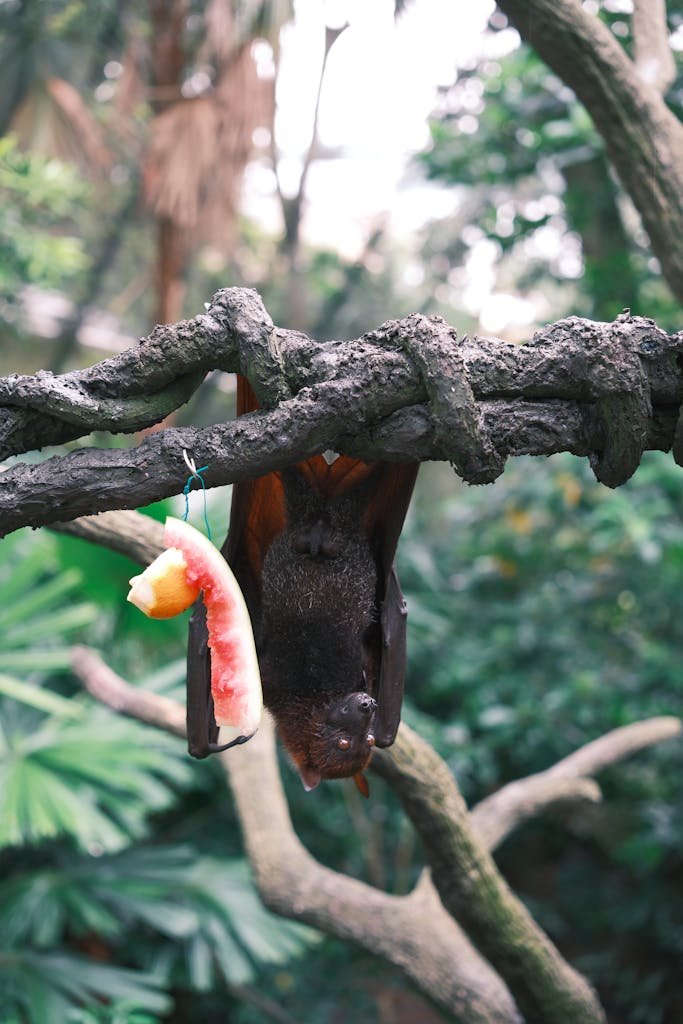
651,51
410,388
643,137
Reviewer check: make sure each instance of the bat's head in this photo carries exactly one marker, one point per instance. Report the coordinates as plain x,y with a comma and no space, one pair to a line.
341,740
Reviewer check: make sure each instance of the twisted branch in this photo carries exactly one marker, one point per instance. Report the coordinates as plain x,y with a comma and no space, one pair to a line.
608,391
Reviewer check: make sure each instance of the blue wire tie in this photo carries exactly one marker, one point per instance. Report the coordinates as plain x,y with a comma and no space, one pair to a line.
196,475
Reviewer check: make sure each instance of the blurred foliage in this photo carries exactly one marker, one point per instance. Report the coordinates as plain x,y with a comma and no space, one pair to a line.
543,612
104,913
538,186
563,595
38,195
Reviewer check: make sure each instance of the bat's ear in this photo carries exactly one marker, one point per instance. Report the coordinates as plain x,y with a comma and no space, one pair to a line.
309,777
362,783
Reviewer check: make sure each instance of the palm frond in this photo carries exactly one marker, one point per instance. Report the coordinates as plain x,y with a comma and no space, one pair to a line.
68,767
40,987
54,120
40,698
207,910
182,159
96,780
199,147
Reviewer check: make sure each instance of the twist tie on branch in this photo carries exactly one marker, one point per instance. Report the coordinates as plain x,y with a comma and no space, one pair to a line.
458,423
625,414
195,474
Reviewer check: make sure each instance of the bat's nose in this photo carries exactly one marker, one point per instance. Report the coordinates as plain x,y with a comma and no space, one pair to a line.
367,703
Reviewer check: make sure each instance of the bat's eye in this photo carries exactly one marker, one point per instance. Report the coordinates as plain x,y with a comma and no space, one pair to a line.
343,743
371,740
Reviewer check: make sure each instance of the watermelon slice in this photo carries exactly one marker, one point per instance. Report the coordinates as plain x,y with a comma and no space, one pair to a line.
172,583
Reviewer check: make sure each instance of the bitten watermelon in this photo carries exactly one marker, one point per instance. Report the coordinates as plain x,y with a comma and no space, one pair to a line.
171,584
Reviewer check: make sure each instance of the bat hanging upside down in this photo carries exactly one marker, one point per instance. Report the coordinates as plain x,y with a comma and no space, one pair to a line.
312,547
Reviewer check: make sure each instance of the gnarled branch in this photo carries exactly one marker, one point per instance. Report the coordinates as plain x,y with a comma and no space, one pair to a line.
608,391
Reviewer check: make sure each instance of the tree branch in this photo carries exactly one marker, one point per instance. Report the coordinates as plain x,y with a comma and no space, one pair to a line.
132,534
615,746
608,391
643,137
567,781
471,889
496,817
654,59
105,685
412,932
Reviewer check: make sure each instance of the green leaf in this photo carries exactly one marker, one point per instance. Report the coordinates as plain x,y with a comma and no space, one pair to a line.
39,698
96,780
56,623
42,987
37,598
54,659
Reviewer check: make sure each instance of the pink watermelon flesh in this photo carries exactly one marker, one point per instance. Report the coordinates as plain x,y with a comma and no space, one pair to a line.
235,679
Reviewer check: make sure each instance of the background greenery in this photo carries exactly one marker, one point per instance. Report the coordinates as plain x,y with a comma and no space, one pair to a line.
543,610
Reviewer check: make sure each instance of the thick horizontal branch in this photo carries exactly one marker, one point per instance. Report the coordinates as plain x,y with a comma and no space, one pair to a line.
608,391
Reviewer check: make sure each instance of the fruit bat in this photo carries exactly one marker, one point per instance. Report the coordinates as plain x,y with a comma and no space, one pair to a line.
312,547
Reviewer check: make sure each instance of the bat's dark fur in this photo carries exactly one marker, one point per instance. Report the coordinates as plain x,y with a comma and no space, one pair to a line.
312,548
318,609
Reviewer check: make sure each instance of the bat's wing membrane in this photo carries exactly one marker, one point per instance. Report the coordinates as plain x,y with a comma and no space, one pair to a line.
257,516
384,522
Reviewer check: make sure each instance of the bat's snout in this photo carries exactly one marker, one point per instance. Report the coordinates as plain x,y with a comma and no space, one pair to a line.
354,708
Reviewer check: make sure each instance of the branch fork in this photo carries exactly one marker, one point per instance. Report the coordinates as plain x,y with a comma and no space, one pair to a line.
461,935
